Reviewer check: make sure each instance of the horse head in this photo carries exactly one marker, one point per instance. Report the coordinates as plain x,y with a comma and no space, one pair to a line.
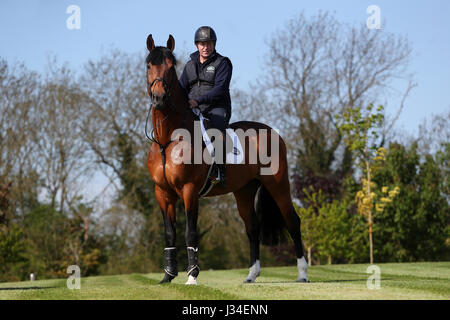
160,71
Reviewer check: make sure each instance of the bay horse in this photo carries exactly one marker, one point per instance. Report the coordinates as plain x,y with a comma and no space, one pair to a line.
263,201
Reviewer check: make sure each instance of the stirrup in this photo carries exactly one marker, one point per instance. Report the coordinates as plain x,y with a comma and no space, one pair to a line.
218,176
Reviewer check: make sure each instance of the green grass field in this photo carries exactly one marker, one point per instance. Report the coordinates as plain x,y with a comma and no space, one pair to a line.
398,281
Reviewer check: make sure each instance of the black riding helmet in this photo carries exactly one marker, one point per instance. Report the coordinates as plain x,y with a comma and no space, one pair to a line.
205,33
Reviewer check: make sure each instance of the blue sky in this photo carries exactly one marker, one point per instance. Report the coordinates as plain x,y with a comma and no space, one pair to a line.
31,30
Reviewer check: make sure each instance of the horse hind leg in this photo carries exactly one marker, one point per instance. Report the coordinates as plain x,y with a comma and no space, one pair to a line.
294,231
293,225
280,192
245,202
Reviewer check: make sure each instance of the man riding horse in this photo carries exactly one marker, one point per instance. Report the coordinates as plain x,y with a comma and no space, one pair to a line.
261,189
206,81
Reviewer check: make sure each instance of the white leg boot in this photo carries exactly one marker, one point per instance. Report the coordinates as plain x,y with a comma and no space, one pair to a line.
193,269
191,280
302,266
255,270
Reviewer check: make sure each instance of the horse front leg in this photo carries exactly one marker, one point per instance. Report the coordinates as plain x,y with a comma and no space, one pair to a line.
190,199
167,203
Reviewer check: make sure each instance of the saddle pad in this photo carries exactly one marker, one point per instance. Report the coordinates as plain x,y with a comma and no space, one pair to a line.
236,156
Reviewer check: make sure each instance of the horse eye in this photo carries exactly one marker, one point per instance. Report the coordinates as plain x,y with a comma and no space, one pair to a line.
148,66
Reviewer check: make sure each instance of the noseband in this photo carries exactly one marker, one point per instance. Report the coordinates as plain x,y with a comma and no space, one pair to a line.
165,85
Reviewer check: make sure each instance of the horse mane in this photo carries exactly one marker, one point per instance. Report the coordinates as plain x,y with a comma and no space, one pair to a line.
158,54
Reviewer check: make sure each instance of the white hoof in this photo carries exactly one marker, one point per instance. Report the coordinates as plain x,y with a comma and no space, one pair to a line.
302,266
254,272
191,280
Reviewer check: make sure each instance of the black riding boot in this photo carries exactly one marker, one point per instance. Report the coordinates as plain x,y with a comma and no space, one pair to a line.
171,268
218,119
221,174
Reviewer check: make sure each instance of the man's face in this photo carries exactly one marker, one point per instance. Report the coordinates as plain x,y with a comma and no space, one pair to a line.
205,48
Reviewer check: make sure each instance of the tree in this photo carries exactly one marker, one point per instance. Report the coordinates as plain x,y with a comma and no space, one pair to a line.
4,203
415,227
12,251
443,161
63,154
432,136
332,229
361,130
315,68
433,139
19,89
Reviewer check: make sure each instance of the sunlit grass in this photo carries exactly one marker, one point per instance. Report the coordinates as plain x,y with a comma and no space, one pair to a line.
398,281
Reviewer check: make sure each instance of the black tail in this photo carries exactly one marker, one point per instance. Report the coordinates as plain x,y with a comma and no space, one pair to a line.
272,227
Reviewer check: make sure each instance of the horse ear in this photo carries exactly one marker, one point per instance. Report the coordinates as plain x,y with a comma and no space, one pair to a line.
150,43
171,43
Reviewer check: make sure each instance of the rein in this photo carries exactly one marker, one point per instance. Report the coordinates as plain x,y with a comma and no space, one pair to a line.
162,147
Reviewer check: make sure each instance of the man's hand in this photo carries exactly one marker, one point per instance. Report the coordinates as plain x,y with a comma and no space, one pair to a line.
193,103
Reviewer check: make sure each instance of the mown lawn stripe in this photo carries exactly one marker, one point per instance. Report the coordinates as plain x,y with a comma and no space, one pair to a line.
198,292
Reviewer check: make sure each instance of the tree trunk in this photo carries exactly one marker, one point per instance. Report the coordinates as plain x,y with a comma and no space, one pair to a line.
370,241
309,256
370,210
86,229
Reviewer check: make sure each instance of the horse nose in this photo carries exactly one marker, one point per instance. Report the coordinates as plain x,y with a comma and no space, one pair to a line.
158,99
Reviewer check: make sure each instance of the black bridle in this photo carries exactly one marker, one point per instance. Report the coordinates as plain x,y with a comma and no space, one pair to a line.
165,85
162,147
152,105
